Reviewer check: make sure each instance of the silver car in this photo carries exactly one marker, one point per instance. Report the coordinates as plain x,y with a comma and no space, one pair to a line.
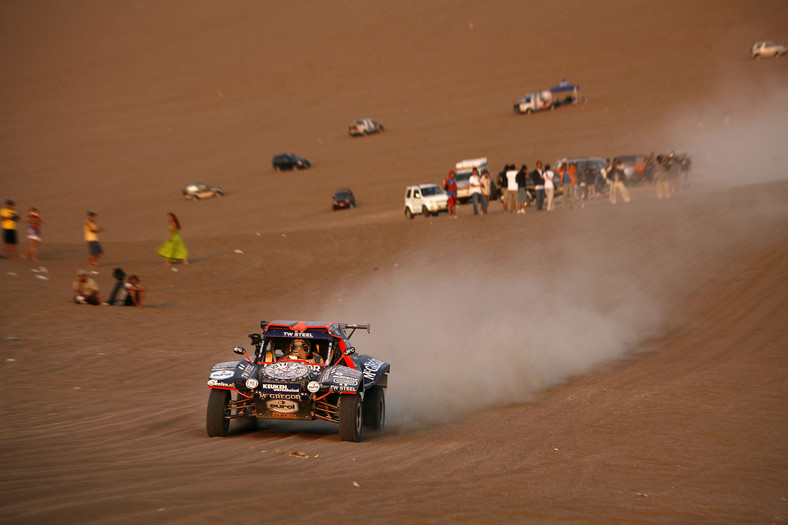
200,190
768,49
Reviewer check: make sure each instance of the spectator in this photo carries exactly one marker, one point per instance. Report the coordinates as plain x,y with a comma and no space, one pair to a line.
486,190
91,230
86,291
684,167
566,172
174,249
537,179
663,177
522,189
34,222
450,186
10,218
135,292
616,175
475,184
549,187
511,201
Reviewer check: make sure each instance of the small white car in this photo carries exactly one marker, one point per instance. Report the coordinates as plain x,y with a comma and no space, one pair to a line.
428,199
768,49
200,190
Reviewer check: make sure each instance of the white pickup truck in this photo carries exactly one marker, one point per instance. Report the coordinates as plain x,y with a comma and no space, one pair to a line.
364,126
532,102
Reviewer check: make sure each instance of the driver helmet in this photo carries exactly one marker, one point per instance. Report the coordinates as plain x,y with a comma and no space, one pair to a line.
299,349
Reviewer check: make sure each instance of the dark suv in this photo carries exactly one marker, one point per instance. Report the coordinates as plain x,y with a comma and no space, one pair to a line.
289,161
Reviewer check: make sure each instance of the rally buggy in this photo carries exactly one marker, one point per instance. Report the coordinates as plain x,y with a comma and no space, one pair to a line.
300,371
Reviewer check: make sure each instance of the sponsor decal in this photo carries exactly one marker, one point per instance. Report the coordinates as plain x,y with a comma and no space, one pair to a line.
282,406
277,415
248,371
251,383
297,335
282,396
342,375
281,388
214,382
221,374
313,386
286,370
371,367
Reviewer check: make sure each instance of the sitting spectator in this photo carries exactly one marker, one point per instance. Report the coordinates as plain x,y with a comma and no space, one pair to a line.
135,292
86,291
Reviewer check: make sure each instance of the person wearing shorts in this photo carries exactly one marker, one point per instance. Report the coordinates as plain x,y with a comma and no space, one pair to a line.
92,230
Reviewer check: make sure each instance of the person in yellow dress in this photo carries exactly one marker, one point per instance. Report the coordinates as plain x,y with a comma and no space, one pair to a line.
174,249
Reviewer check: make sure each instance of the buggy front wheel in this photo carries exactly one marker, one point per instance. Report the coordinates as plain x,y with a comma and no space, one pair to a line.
350,417
217,421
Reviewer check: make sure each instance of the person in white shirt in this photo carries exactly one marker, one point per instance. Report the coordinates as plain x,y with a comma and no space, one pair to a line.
549,186
476,193
511,200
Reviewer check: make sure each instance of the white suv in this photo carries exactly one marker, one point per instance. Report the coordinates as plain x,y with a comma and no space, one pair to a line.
428,199
767,50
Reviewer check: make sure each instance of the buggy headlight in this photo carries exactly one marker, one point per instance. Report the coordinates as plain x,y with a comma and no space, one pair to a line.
252,383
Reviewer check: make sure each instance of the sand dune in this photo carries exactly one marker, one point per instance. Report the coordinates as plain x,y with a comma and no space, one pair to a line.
612,364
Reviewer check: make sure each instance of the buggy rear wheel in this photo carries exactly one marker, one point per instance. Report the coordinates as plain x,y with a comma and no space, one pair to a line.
350,418
217,421
375,408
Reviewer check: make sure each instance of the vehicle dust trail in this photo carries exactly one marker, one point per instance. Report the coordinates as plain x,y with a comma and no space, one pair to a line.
485,328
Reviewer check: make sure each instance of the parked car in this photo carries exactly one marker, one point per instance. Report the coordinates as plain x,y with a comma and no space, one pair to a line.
300,371
634,168
428,199
343,198
364,126
768,49
289,161
200,190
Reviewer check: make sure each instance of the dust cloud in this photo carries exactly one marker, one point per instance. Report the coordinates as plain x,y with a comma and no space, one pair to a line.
459,343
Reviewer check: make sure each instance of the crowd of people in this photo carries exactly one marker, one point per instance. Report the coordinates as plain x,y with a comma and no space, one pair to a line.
128,292
577,181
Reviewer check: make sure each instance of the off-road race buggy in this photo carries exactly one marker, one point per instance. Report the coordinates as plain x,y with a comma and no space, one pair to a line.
300,371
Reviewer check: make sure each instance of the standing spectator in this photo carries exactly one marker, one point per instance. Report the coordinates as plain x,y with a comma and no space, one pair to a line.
522,189
486,189
673,172
511,201
475,184
450,186
10,218
174,249
549,186
34,222
590,178
86,291
616,176
663,178
91,230
537,179
135,292
648,168
684,167
502,184
580,178
567,173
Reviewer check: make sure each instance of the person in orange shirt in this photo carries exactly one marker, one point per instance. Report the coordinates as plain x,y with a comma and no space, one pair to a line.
566,172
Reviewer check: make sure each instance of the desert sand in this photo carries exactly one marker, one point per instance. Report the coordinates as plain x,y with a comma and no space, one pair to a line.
611,364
